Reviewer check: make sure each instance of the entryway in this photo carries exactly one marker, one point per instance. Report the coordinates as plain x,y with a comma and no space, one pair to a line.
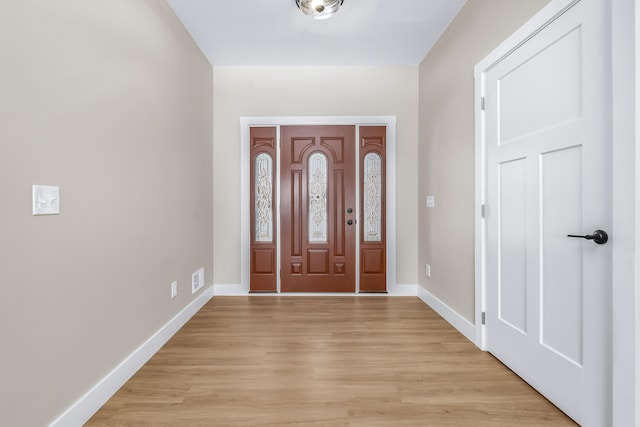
318,205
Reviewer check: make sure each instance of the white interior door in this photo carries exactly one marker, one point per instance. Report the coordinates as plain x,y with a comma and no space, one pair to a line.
548,171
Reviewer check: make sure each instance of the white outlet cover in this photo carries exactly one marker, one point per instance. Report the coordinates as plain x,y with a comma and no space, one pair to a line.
46,200
197,280
174,289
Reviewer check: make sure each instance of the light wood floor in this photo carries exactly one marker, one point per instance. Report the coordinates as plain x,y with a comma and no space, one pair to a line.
323,361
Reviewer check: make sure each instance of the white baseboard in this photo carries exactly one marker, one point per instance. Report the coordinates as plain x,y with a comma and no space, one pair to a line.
80,412
463,326
239,290
403,290
234,290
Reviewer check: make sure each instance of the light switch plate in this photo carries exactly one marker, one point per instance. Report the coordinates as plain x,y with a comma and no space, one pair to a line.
431,201
46,200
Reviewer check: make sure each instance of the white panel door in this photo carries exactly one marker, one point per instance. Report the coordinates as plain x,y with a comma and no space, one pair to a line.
548,176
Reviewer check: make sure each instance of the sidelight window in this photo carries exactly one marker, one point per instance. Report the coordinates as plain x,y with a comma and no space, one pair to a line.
264,196
372,197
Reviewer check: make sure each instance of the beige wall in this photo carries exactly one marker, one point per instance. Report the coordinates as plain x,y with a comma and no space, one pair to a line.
112,101
446,153
321,91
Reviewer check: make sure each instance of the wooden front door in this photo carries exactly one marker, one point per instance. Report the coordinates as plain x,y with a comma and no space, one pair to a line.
318,209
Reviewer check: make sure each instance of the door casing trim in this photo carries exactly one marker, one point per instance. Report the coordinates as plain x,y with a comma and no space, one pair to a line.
389,121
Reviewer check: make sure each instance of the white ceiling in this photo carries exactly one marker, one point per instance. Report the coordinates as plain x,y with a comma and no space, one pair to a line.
276,33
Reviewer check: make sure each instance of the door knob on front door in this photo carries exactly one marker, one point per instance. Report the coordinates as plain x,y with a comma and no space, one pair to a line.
599,236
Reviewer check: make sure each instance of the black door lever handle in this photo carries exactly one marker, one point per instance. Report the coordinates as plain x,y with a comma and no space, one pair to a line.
599,236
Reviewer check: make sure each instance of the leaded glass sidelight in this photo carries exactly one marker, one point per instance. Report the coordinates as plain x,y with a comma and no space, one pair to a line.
317,179
372,197
263,183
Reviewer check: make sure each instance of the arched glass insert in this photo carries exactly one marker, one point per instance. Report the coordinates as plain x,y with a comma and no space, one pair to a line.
372,197
317,179
263,176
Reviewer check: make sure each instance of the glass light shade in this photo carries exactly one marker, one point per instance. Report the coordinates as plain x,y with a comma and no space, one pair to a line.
319,9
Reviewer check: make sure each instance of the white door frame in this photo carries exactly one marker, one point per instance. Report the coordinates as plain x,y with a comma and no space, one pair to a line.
247,122
625,29
626,208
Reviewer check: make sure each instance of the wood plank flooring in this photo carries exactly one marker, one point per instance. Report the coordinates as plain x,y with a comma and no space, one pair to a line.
323,361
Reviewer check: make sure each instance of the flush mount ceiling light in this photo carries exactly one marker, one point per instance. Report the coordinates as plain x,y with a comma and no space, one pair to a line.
319,9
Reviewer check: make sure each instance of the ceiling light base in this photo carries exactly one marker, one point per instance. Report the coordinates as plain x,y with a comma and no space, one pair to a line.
319,9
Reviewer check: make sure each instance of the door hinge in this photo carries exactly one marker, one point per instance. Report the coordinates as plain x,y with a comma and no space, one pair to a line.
483,211
484,318
482,103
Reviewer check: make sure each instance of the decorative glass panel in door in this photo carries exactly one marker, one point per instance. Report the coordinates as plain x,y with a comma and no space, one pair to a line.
317,200
372,197
263,182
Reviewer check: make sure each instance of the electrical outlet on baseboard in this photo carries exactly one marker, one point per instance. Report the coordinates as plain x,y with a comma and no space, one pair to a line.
427,270
197,280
